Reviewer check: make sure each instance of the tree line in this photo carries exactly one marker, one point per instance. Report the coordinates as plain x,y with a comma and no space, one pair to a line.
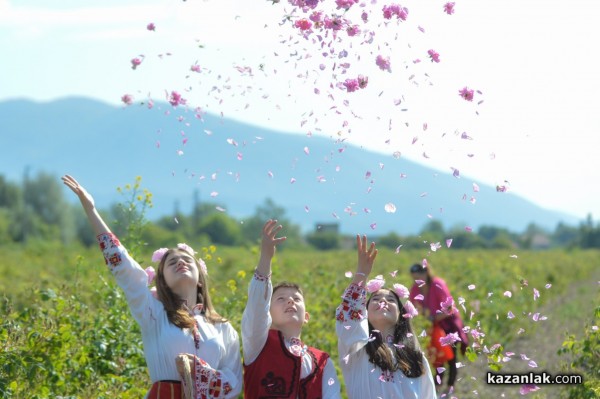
37,209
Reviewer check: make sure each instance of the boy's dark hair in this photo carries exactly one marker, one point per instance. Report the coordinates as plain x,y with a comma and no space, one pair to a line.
287,284
409,358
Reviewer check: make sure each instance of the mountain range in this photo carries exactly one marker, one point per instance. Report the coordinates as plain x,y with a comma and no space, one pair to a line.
184,156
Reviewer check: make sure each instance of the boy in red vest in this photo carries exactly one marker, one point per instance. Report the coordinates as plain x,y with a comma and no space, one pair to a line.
276,362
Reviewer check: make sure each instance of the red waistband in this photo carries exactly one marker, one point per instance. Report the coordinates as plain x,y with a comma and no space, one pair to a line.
165,390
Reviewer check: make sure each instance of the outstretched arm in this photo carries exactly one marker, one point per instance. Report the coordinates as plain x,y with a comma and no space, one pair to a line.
87,201
268,245
352,327
256,318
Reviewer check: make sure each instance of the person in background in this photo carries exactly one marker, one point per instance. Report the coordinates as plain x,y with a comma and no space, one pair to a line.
431,294
277,364
379,354
191,351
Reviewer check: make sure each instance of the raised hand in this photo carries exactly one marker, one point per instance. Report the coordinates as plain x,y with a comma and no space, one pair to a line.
366,257
268,244
87,201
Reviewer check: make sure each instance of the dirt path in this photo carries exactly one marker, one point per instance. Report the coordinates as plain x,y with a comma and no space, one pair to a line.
572,310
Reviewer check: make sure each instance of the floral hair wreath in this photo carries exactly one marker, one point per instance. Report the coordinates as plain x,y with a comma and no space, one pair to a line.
378,282
160,253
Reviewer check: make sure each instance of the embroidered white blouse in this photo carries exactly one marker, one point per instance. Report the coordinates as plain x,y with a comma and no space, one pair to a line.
163,341
256,321
363,378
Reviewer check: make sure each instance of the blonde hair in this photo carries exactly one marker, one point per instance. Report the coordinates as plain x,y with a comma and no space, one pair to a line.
174,305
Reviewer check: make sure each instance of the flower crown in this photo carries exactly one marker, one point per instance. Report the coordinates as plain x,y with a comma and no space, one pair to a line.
160,253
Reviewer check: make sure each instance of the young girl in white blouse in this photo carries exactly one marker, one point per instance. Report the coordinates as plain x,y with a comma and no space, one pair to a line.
276,362
379,353
190,350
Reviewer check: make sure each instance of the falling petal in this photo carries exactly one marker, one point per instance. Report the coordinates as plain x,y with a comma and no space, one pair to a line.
348,274
390,208
510,315
508,294
448,242
471,287
475,187
532,364
214,194
527,388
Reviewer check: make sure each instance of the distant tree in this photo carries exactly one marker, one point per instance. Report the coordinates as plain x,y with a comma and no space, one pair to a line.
534,236
221,229
434,227
462,239
497,237
565,236
10,194
42,211
252,226
324,240
390,240
589,233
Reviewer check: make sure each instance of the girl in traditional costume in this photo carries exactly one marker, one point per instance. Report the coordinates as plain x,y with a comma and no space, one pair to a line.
379,353
191,351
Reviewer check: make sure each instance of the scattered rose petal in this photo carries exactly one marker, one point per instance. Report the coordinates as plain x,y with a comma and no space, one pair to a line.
410,309
390,208
527,388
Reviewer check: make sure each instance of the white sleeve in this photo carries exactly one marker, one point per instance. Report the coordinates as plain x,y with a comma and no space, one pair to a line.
427,384
230,368
352,326
331,385
129,275
256,319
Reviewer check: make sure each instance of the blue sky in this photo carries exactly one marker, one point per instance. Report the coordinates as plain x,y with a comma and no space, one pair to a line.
535,63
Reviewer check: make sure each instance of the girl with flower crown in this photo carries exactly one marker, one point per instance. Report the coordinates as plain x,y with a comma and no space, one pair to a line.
379,353
191,351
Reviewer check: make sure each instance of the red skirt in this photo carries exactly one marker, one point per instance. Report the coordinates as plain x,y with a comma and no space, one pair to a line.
165,390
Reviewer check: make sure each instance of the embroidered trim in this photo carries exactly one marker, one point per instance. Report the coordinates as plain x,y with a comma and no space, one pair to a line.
109,245
260,277
296,347
353,304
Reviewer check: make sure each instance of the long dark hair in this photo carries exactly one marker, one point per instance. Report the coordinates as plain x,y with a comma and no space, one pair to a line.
177,313
405,355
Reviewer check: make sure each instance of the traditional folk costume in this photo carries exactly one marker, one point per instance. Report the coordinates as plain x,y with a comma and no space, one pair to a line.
363,378
217,372
275,367
438,293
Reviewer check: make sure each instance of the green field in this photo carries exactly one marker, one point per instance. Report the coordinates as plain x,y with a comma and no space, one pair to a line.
65,330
